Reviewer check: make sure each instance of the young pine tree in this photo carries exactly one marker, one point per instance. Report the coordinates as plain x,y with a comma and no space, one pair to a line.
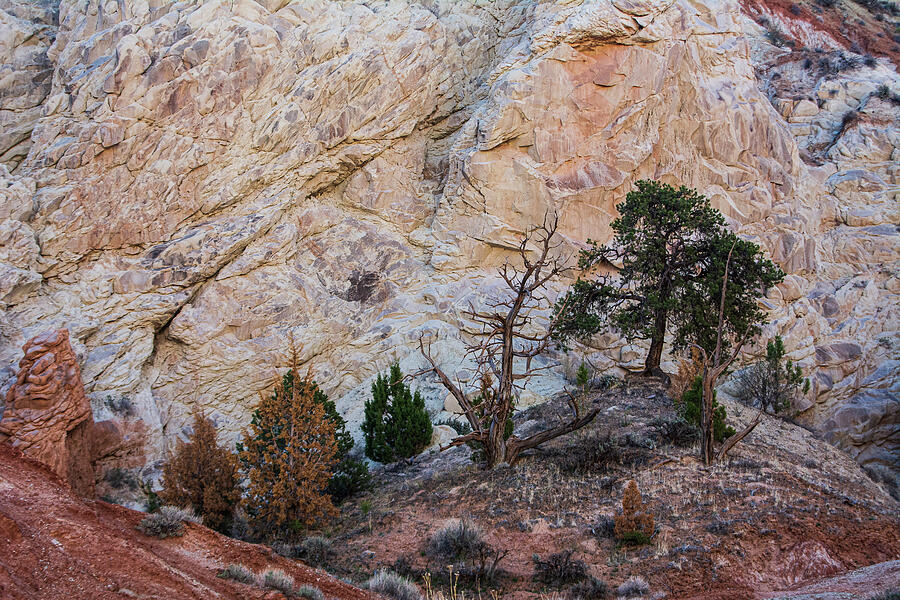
773,383
288,453
396,424
202,475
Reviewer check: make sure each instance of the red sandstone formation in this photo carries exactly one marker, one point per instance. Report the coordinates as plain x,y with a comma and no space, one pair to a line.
48,416
55,545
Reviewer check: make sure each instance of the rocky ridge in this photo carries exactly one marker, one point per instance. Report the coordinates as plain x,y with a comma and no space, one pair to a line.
186,183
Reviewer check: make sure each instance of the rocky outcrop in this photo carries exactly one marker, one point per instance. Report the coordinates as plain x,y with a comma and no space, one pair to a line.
48,416
204,179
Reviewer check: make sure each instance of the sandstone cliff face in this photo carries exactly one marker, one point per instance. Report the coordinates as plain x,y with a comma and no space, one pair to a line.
200,179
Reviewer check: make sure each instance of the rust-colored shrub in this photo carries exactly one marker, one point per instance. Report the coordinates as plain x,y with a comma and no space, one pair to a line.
634,525
202,475
688,369
288,453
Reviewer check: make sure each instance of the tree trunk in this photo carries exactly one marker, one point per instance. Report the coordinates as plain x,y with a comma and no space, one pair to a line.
495,445
654,356
707,433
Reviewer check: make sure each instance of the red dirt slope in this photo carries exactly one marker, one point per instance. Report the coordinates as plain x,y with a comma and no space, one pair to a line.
54,544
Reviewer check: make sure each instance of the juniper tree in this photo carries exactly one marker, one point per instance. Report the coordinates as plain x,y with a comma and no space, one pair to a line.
351,474
396,424
715,364
288,454
202,475
504,351
661,272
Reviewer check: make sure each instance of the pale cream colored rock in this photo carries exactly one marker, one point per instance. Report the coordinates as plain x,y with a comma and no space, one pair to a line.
451,405
441,435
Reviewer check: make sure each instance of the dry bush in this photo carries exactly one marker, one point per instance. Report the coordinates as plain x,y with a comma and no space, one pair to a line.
634,587
310,592
560,569
203,475
462,543
590,589
460,539
168,522
604,527
588,452
634,525
276,579
676,431
119,478
689,368
316,550
389,584
238,573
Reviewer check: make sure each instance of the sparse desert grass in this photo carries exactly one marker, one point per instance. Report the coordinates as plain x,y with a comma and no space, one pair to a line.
310,592
276,579
273,579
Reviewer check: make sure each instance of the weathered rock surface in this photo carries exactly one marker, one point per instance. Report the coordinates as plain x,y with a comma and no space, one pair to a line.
48,416
202,179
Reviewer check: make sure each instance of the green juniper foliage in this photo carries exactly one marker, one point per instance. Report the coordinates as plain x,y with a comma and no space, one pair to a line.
689,408
672,246
583,376
341,436
396,424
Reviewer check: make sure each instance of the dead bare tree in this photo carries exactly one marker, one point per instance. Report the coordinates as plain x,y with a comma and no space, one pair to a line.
713,368
504,350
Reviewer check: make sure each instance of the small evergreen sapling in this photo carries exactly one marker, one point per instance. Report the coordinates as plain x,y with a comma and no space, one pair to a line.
772,384
690,408
635,525
583,376
396,424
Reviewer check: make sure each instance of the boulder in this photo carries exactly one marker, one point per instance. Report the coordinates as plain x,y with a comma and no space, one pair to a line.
47,416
